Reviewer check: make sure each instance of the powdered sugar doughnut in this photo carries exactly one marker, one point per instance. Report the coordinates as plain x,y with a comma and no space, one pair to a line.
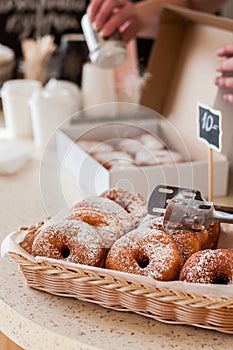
150,221
209,266
209,237
150,141
119,166
90,146
109,226
150,253
108,158
109,207
133,203
188,242
70,240
130,146
150,157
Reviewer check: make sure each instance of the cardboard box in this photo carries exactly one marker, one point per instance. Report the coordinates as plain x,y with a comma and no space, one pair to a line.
94,178
182,69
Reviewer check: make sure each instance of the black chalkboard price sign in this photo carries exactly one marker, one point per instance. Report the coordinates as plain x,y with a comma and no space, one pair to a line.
210,126
209,122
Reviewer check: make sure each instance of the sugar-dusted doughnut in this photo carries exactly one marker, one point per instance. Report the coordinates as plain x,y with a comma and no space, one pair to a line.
188,242
109,207
70,240
209,237
133,203
130,146
91,146
162,156
151,253
150,141
109,225
209,266
107,159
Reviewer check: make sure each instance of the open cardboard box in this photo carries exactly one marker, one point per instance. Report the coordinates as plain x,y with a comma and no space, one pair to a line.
93,178
182,71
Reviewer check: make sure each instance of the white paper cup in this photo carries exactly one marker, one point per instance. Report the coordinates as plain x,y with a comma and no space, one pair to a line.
49,110
15,95
98,85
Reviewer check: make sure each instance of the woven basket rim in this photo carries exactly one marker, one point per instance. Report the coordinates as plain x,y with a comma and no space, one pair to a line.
189,289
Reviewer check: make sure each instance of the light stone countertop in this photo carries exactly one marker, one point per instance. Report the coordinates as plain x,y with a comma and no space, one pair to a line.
37,320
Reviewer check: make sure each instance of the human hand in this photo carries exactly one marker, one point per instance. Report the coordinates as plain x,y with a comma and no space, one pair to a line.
225,67
110,15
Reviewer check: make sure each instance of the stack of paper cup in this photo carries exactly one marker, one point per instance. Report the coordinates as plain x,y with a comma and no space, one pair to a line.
49,109
15,95
98,85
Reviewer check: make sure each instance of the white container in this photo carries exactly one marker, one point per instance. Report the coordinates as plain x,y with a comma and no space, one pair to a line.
94,178
98,86
15,96
49,109
56,85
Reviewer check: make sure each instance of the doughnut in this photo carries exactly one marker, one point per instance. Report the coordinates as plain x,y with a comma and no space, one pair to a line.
209,237
108,206
133,203
145,158
150,141
150,253
130,146
213,266
90,146
116,166
108,158
109,225
150,221
163,156
188,242
70,240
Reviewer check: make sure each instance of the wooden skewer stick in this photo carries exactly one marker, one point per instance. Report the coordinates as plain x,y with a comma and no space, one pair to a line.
210,174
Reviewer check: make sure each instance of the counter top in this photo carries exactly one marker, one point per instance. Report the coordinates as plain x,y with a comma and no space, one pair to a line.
37,320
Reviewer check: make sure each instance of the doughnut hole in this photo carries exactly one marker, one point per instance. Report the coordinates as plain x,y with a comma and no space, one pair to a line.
65,252
221,278
142,260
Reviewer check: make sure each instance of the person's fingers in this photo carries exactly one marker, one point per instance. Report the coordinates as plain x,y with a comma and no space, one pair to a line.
93,8
121,19
224,82
225,65
128,31
228,98
226,50
103,11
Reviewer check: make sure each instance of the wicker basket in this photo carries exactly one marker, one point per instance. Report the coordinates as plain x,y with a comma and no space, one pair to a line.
119,291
